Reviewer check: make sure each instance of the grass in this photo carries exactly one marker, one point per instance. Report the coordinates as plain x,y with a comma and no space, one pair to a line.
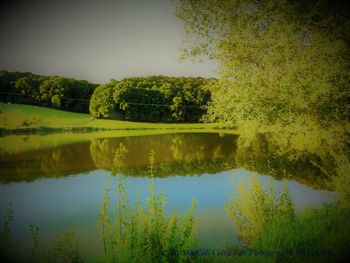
27,117
265,222
317,235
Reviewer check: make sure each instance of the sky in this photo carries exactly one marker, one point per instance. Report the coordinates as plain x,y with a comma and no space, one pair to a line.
96,40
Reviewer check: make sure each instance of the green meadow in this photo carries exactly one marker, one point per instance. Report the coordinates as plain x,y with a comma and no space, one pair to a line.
21,117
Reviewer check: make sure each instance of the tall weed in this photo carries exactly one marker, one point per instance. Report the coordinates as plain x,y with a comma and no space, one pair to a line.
254,208
143,234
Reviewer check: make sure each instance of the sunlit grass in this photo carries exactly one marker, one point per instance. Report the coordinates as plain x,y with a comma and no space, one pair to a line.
15,116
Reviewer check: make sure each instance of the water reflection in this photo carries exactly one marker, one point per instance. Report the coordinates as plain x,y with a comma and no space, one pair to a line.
273,154
57,161
175,154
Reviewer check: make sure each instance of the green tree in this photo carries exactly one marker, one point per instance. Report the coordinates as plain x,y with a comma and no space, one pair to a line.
27,85
280,60
11,93
51,90
101,103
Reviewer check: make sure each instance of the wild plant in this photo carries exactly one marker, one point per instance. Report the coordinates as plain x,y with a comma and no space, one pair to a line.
64,248
34,230
254,208
143,234
5,244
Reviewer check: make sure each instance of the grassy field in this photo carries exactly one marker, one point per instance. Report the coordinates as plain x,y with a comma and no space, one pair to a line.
22,117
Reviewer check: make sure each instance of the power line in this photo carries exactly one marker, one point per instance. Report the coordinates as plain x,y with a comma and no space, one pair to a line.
162,105
24,95
130,103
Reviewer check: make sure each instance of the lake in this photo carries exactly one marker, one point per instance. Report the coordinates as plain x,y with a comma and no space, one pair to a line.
58,183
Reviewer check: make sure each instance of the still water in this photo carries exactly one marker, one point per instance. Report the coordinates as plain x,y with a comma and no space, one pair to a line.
60,185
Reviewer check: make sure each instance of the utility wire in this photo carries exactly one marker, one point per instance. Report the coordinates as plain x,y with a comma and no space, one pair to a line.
131,103
24,95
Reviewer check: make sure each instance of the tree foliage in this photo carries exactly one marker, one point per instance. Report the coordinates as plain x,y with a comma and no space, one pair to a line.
280,60
153,99
101,102
51,91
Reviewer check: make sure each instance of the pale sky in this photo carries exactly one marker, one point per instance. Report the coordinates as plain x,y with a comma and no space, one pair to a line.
96,40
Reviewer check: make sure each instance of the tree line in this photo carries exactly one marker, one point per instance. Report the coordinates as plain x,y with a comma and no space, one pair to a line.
153,99
49,91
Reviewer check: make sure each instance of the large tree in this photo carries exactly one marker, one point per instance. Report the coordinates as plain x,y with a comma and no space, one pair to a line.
280,60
